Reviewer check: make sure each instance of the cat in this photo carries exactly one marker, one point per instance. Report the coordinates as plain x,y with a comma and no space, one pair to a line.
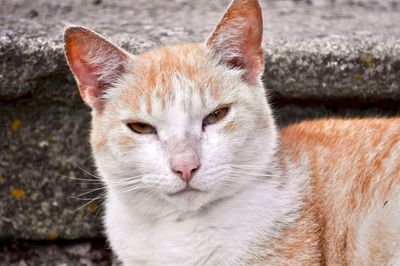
197,172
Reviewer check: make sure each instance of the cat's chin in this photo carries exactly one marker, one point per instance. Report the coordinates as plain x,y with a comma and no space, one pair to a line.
188,199
187,192
192,199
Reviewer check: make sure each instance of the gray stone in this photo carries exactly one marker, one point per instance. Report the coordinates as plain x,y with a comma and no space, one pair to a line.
335,68
323,58
85,253
44,156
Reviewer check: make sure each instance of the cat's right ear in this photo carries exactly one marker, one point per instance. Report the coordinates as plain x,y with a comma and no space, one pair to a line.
95,62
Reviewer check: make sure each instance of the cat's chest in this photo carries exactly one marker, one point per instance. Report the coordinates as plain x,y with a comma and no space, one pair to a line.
189,242
224,234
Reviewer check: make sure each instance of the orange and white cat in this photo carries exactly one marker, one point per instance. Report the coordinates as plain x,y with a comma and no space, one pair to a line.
198,174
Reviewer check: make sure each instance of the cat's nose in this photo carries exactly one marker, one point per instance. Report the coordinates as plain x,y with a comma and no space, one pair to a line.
185,165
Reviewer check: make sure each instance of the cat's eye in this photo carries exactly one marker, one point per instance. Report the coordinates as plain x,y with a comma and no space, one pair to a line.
215,116
142,128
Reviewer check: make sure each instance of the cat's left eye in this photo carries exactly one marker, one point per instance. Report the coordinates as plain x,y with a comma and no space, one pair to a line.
142,128
215,116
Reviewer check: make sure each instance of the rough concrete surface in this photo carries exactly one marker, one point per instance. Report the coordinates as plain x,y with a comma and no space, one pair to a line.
73,253
313,50
319,54
40,183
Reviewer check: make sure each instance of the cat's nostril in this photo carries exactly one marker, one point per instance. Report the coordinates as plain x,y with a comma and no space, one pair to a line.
177,172
185,171
194,170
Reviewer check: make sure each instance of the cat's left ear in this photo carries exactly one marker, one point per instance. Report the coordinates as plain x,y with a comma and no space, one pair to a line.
237,38
95,62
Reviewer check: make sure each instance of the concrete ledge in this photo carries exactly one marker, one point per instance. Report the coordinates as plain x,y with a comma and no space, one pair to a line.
313,51
335,68
322,58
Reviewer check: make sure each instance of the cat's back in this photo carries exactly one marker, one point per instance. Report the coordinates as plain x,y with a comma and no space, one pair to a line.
354,167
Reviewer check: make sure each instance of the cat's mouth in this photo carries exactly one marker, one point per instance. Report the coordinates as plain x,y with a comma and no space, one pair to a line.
186,191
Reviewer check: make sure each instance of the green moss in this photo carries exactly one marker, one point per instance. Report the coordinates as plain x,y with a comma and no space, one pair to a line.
368,60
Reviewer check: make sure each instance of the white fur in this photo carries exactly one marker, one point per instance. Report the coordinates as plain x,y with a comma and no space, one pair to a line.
225,233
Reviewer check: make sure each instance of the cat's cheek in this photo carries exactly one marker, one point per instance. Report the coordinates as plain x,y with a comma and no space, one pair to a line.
98,143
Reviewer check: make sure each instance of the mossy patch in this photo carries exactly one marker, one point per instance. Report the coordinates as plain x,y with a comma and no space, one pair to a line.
357,77
368,60
17,193
52,236
16,124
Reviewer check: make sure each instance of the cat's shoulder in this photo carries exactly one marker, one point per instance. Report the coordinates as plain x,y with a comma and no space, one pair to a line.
329,131
340,125
338,137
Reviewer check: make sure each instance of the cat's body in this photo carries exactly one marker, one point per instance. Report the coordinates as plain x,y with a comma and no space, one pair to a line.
339,204
197,173
352,215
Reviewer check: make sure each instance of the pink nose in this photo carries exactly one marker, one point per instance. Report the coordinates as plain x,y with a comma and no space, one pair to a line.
185,165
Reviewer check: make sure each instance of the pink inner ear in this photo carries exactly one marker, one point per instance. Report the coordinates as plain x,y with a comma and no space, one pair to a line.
240,30
95,62
92,96
251,60
90,88
85,72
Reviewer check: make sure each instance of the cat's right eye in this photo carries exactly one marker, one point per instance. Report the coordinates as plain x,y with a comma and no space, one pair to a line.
142,128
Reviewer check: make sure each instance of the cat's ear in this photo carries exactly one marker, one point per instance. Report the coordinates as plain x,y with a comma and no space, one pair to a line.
95,62
237,38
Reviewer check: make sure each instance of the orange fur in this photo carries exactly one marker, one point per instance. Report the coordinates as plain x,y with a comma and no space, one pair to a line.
125,140
229,127
297,244
346,186
153,71
98,144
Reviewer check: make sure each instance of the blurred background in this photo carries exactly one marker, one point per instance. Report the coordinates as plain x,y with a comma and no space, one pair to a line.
323,58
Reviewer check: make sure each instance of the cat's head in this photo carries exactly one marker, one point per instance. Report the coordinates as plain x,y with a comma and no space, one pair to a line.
182,125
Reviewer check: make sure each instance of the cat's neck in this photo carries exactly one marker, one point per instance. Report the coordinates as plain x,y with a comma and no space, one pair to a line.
297,243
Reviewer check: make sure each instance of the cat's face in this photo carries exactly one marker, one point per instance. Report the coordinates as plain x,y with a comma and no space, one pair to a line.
183,125
176,90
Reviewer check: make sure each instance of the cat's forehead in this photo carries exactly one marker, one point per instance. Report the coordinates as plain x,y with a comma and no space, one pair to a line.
157,79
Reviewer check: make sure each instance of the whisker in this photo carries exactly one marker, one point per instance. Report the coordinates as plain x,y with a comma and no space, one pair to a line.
97,209
80,179
85,171
92,200
89,192
237,181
